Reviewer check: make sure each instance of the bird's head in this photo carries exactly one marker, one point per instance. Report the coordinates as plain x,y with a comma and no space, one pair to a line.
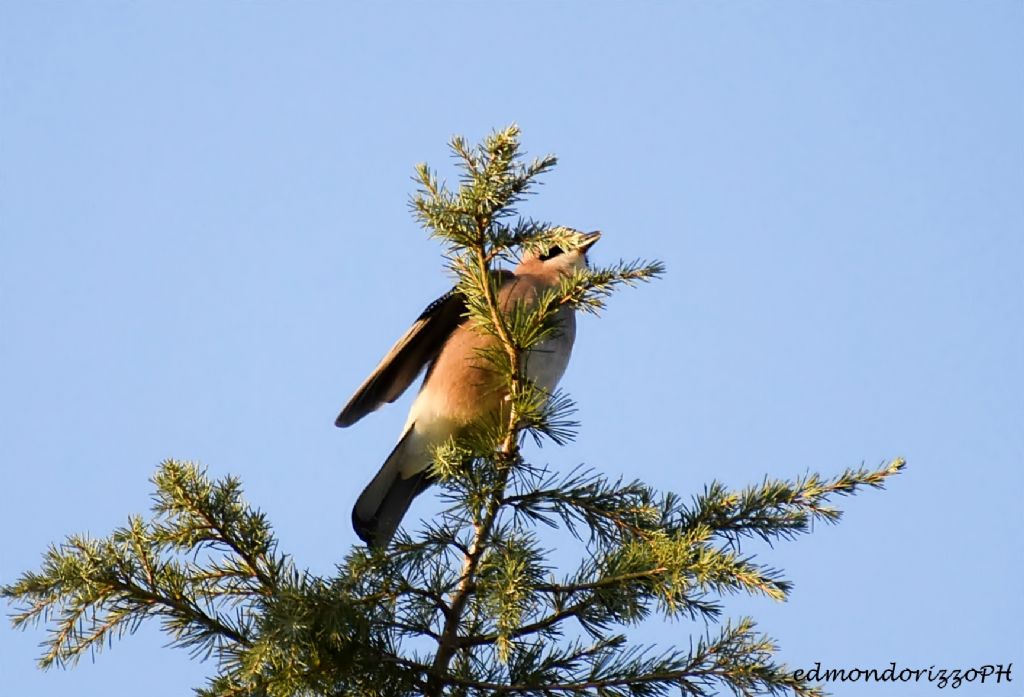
562,259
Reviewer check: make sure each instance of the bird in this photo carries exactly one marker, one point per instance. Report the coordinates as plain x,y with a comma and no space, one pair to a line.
459,388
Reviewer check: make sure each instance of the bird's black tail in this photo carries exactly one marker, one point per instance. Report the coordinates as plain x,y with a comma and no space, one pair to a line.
385,500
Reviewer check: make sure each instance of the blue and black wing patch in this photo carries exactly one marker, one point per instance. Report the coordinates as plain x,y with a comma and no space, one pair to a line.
407,358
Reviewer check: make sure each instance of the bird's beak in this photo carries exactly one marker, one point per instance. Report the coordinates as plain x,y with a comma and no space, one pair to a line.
589,239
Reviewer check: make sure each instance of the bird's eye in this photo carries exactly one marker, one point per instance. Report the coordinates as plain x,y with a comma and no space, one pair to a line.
552,253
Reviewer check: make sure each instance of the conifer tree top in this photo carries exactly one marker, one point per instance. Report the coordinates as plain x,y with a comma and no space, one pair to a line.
471,602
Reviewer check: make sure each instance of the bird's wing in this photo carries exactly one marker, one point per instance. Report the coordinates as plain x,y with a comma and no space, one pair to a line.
407,357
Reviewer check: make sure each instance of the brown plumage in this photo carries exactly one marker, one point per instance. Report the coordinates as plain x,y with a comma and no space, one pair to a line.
459,388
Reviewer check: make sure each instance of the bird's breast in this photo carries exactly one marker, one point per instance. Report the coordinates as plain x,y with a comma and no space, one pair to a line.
461,386
546,363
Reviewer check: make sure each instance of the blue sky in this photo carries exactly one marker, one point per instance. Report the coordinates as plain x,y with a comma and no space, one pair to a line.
205,246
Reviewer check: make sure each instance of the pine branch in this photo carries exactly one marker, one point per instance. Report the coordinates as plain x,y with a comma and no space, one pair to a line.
493,187
775,509
610,512
736,659
96,590
200,513
588,289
